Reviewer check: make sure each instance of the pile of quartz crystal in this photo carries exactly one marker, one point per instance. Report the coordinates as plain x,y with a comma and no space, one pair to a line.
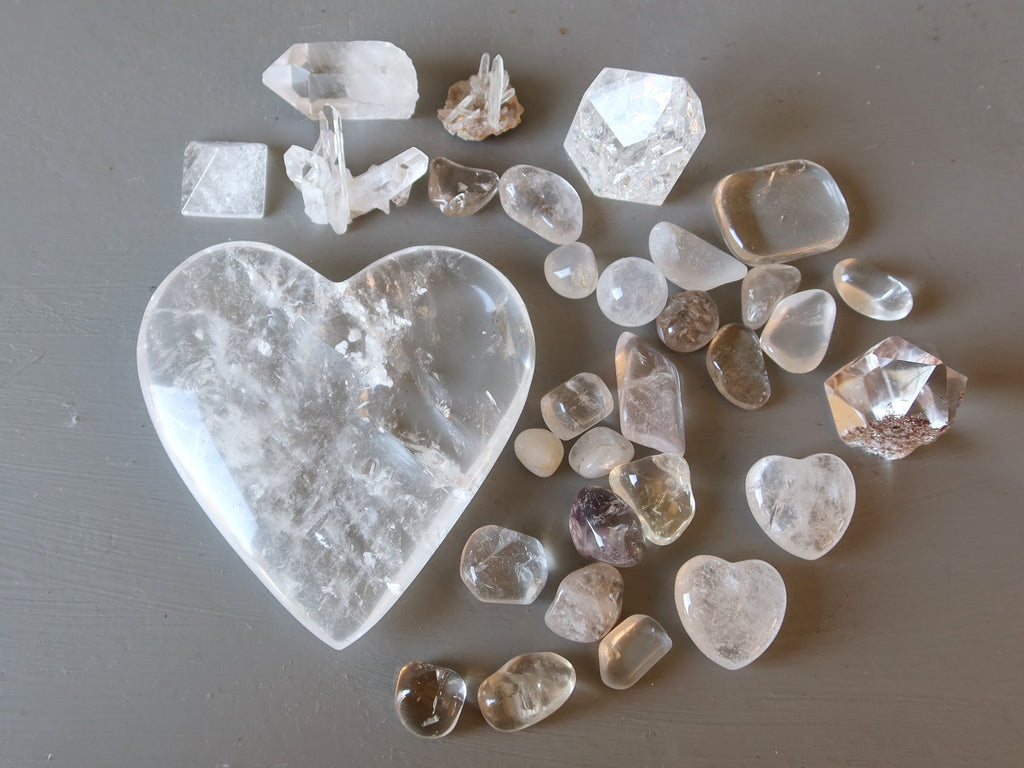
484,105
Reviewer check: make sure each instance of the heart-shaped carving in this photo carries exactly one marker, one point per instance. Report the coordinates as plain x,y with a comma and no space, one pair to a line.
731,611
804,505
334,432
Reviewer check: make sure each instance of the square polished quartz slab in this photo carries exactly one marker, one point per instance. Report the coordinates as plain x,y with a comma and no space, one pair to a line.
780,212
224,179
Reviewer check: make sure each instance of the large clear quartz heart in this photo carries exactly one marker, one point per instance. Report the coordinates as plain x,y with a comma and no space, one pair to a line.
334,432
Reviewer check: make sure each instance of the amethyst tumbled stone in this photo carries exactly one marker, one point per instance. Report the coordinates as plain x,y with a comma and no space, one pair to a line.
604,528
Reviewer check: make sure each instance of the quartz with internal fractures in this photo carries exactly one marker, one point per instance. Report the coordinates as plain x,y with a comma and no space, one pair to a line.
650,395
334,432
604,528
894,398
485,105
688,321
224,179
571,270
574,406
629,651
633,134
362,79
659,490
763,287
868,290
736,365
429,699
597,451
539,451
688,261
458,190
797,334
331,194
587,604
731,611
631,291
543,202
804,505
500,565
525,690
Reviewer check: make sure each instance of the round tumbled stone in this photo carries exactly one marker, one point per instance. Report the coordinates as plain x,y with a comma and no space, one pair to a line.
631,291
763,287
597,451
587,604
500,565
736,365
429,699
543,202
525,690
688,321
539,451
870,291
604,528
797,334
571,270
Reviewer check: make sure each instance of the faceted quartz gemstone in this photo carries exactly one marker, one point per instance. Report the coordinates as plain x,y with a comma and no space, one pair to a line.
605,529
658,489
736,365
587,604
688,261
539,451
458,190
804,505
631,291
500,565
780,212
894,398
633,134
525,690
543,202
484,105
731,611
650,395
688,321
597,451
224,179
868,290
629,651
429,699
797,334
573,407
764,287
571,270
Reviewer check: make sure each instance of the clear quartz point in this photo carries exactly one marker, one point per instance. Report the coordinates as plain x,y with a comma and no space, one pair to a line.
484,105
574,406
429,699
870,291
736,365
539,451
659,490
587,604
688,321
628,652
224,179
605,529
458,190
543,202
798,332
688,261
526,690
571,270
500,565
631,291
597,451
650,395
763,287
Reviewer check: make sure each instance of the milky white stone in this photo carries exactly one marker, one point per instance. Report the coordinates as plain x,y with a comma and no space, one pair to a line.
731,611
458,190
574,406
804,505
597,451
659,490
543,202
629,651
539,451
571,270
500,565
484,105
587,604
633,134
631,291
224,179
688,261
525,690
763,287
334,432
868,290
797,334
429,699
362,79
650,395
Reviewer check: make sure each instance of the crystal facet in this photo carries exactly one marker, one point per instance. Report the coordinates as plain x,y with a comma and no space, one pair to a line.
688,321
597,451
543,202
736,365
797,334
688,261
429,699
587,604
658,489
868,290
764,287
633,134
224,179
539,451
604,528
894,398
500,565
574,406
525,690
571,270
631,291
650,395
458,190
629,651
484,105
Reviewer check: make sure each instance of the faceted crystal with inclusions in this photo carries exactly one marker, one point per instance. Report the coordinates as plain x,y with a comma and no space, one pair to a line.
633,134
543,202
894,398
688,261
525,690
539,451
484,105
868,290
224,179
688,321
659,490
604,528
631,291
650,395
587,604
597,451
797,334
736,365
571,270
629,651
764,287
500,565
574,406
429,699
458,190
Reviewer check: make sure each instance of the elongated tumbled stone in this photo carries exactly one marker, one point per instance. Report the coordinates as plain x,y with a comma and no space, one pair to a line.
458,190
650,395
429,699
688,261
631,291
764,287
597,451
797,334
658,489
587,604
525,690
571,270
736,365
688,321
629,651
576,405
868,290
539,451
543,202
604,528
500,565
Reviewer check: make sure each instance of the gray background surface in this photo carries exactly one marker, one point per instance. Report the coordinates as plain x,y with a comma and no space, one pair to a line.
131,635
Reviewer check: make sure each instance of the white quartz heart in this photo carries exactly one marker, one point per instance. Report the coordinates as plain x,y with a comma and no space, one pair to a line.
334,432
731,611
804,505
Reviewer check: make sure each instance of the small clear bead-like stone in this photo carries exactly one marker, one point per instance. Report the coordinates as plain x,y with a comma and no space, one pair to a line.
604,528
797,334
429,699
500,565
525,690
868,290
543,202
631,291
597,451
571,270
658,489
576,405
650,395
688,321
689,262
629,651
539,451
587,604
764,287
736,365
458,190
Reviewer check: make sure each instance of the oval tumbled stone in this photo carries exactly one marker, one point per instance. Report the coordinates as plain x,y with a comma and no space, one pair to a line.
525,690
797,334
868,290
543,202
736,365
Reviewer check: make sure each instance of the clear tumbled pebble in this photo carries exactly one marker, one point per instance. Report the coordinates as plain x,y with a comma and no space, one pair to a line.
650,395
571,270
525,690
631,291
868,290
429,699
688,261
539,451
736,365
659,490
797,334
576,405
605,529
597,451
688,321
587,604
629,651
500,565
543,202
764,287
458,190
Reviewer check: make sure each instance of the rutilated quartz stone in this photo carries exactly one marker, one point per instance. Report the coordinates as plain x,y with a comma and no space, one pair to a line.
688,261
429,699
571,270
500,565
597,451
870,291
688,321
576,405
587,604
629,651
484,105
659,490
631,291
458,190
797,334
650,395
736,365
765,286
539,451
525,690
543,202
605,529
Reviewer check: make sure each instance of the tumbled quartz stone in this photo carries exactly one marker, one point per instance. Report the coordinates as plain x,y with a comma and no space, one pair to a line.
458,190
659,490
571,270
633,134
500,565
631,291
362,79
543,202
574,406
797,334
804,505
894,398
629,651
650,395
868,290
780,212
605,529
587,604
597,451
525,690
688,261
736,365
763,287
688,321
224,179
539,451
429,699
484,105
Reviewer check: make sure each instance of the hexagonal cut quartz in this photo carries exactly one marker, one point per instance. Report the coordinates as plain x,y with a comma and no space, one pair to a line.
500,565
780,212
659,490
629,651
870,291
797,334
574,406
597,451
587,604
525,690
429,699
571,270
604,528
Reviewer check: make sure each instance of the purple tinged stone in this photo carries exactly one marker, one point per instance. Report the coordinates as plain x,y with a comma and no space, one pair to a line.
604,528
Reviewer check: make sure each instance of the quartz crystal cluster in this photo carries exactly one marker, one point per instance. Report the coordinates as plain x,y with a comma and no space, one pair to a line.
429,699
224,179
485,105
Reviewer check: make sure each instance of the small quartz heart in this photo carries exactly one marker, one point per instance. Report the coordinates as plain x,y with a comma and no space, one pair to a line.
731,611
334,432
804,505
